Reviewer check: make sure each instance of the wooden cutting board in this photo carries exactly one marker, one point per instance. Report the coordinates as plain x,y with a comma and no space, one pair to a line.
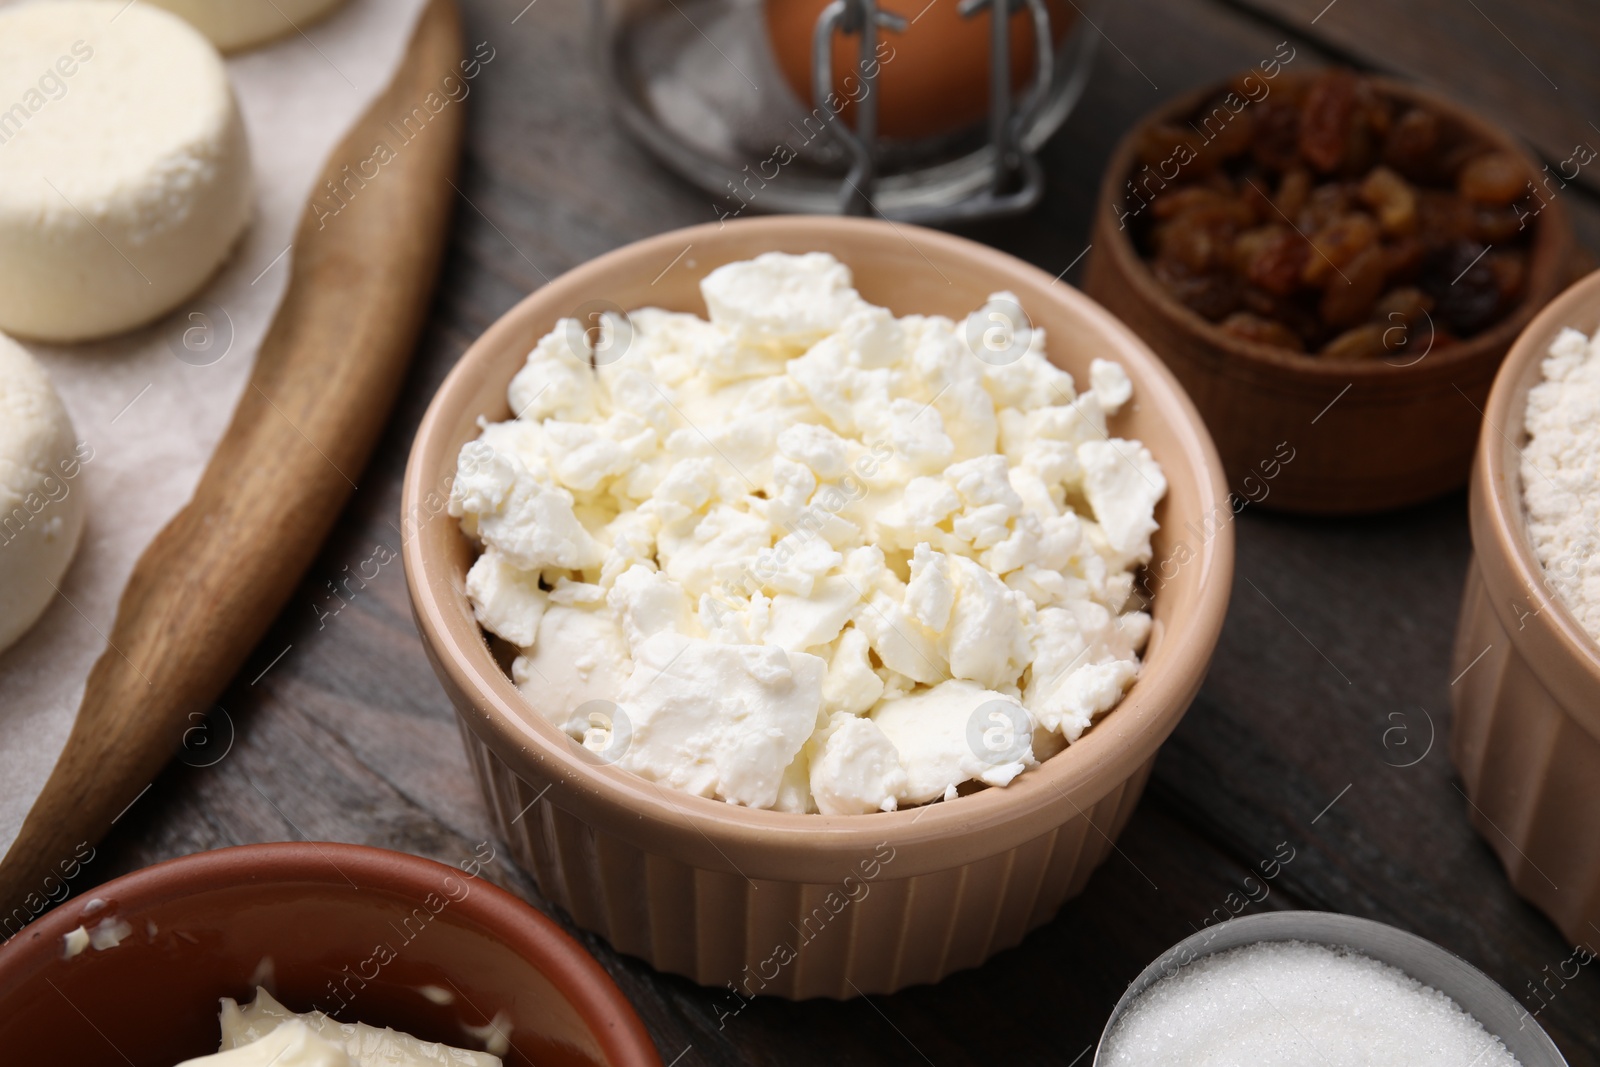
210,584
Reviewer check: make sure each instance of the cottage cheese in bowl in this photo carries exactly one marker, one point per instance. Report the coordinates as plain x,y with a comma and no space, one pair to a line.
807,555
1561,474
264,1033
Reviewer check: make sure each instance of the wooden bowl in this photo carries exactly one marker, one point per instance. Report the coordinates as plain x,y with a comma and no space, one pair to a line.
1526,735
1365,436
319,925
787,904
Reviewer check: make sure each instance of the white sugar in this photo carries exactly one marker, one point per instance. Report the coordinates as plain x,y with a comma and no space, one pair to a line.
1292,1003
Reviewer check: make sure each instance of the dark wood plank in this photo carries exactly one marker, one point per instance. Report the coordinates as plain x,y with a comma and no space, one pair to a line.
348,736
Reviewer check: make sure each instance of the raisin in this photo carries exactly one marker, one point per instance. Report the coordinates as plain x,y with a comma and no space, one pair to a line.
1496,179
1404,305
1262,331
1495,225
1292,86
1397,340
1325,123
1338,244
1362,342
1272,258
1249,244
1442,218
1403,258
1291,310
1327,202
1392,200
1236,212
1403,314
1194,248
1377,113
1293,191
1255,299
1369,122
1211,295
1237,136
1412,145
1510,270
1277,145
1170,205
1164,143
1455,155
1201,237
1246,83
1223,132
1464,288
1348,298
1254,194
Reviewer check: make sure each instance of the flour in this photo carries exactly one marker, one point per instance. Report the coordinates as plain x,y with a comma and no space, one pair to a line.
1561,474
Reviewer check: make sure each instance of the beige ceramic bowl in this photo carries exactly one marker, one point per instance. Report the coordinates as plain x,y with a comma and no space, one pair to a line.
1527,690
808,905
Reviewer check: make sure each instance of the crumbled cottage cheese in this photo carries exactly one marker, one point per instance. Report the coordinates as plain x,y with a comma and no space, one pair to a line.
806,555
1561,474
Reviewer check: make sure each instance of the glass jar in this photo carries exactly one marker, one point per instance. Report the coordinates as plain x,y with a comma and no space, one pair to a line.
927,112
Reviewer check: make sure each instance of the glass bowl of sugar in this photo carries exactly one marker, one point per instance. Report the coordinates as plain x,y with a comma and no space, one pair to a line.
1313,987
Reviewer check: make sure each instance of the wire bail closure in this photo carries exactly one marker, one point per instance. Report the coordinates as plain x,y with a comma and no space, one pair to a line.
1017,180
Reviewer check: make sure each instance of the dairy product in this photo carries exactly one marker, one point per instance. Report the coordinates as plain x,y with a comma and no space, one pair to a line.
1561,474
124,169
237,24
1289,1003
74,942
292,1044
718,719
41,492
806,555
264,1033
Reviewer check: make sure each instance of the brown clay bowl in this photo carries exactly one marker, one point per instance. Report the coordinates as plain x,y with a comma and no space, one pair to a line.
201,926
1526,736
809,905
1367,436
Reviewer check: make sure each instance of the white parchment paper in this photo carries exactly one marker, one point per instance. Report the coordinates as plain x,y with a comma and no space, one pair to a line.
153,418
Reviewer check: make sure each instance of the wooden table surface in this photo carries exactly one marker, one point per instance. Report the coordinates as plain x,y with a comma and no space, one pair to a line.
1339,630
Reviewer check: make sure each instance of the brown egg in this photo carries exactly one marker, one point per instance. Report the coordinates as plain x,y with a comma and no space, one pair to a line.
932,79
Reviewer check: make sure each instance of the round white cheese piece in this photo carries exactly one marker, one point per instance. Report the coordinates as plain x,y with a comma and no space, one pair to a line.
124,168
236,24
41,491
